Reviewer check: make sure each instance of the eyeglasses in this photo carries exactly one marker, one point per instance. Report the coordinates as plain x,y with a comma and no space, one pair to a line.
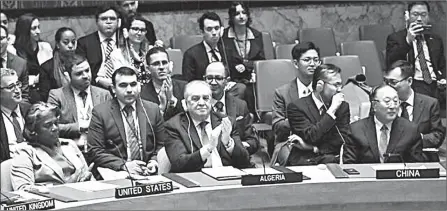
336,85
210,78
393,82
388,102
13,86
308,60
142,30
417,14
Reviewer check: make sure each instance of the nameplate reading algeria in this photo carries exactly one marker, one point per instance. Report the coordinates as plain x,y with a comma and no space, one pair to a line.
407,173
45,204
271,178
143,190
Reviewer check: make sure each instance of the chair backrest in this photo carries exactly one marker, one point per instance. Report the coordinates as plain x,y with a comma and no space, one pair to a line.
355,96
322,37
164,164
176,56
349,65
376,32
183,42
6,184
269,51
369,58
284,51
364,110
270,74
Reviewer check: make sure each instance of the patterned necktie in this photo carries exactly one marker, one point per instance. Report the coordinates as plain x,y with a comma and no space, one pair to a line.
108,62
405,113
132,135
205,141
17,128
422,61
219,106
215,58
383,142
83,95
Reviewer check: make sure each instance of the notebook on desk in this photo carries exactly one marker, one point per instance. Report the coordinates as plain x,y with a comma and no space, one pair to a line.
224,173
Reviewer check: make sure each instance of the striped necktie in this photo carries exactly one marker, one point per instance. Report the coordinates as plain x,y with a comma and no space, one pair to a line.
132,136
422,61
108,62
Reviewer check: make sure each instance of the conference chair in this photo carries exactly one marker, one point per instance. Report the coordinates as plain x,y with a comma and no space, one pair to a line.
349,65
6,185
322,37
377,33
284,51
269,51
164,164
176,56
183,42
369,58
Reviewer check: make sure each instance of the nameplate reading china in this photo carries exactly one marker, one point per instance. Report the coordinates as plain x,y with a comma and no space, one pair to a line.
144,190
35,205
407,173
264,179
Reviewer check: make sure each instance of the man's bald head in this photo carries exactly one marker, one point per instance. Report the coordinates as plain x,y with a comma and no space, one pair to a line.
215,68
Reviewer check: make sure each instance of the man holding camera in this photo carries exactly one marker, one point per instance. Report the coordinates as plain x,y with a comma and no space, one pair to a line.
421,48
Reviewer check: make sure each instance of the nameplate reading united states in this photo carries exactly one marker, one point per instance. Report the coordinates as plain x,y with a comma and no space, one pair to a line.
264,179
144,190
35,205
407,173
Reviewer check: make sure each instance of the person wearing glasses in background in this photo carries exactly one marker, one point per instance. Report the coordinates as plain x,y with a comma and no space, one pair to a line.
421,109
306,57
383,137
320,121
13,110
423,49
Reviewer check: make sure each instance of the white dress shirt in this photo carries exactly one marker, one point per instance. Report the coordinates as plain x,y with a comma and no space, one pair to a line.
8,119
303,90
214,101
410,106
213,159
102,40
210,55
417,65
379,132
127,128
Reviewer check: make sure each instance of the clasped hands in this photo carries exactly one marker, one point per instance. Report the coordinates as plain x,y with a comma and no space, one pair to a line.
139,167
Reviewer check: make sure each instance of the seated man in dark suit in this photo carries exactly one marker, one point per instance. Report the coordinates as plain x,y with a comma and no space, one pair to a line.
423,49
197,58
418,108
126,128
162,89
198,138
11,61
320,119
98,46
227,105
76,101
375,139
13,112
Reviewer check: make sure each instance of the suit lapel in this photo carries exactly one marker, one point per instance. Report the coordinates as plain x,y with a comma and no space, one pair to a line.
142,122
371,136
96,97
70,154
48,161
395,135
230,106
71,102
116,114
312,108
293,91
431,45
418,108
190,129
152,93
9,60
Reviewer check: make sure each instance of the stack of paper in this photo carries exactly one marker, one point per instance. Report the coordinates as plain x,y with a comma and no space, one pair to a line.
224,173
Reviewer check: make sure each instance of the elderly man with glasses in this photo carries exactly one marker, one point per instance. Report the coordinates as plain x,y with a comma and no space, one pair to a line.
383,137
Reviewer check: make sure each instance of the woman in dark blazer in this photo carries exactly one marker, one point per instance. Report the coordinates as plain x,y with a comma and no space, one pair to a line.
243,46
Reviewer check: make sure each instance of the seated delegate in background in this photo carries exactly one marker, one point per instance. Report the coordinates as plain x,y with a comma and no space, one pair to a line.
243,46
45,158
383,133
52,73
11,38
12,61
13,110
30,47
198,138
162,89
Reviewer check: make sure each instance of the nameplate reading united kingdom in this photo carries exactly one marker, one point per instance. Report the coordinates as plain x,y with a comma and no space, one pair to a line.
412,173
35,205
143,190
264,179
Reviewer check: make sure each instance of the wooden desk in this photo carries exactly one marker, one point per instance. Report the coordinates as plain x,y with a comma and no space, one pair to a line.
323,191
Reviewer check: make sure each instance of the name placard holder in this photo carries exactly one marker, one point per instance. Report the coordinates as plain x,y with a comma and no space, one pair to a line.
45,204
265,179
143,190
407,173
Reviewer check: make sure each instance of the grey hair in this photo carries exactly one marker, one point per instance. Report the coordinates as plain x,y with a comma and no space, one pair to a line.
192,84
34,115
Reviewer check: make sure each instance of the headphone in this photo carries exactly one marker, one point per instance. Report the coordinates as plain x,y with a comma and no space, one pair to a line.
185,108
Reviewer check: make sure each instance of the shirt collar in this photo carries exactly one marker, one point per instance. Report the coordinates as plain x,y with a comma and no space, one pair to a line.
214,101
232,34
122,105
77,91
317,101
410,99
301,86
197,123
8,112
102,37
380,124
208,48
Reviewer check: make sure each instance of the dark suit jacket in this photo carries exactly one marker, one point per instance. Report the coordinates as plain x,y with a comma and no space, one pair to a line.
182,136
107,124
4,143
178,88
397,48
237,110
284,95
64,99
256,53
362,147
47,81
19,65
306,122
195,61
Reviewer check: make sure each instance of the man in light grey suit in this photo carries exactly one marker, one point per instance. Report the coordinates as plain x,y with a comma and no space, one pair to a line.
77,100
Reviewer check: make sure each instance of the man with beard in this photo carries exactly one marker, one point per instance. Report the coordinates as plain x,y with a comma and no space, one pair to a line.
376,138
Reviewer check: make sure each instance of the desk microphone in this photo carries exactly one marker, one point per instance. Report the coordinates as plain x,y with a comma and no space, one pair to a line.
122,159
390,155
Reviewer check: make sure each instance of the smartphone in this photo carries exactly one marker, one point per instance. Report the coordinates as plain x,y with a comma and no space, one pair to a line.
351,171
426,27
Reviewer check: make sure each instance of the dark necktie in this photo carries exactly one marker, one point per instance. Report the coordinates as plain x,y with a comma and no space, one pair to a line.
219,106
132,135
405,113
424,68
83,95
322,110
108,62
215,58
1,62
205,140
17,128
383,142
